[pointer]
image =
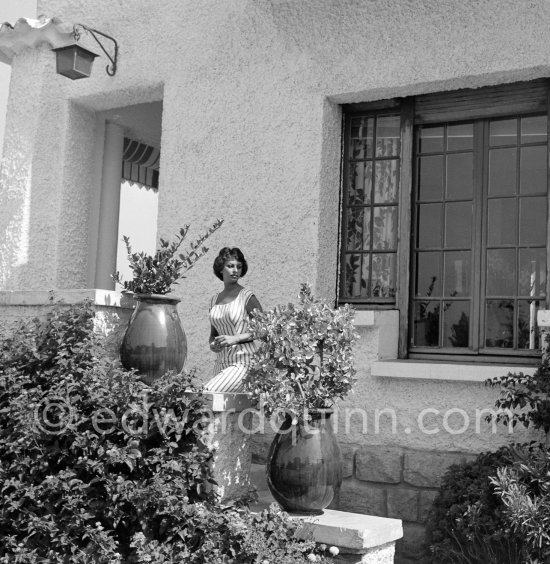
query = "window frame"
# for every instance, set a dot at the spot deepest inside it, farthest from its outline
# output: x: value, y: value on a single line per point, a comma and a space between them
x: 517, y: 100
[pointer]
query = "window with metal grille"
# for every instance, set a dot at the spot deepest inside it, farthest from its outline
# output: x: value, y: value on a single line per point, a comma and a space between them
x: 369, y: 250
x: 445, y: 200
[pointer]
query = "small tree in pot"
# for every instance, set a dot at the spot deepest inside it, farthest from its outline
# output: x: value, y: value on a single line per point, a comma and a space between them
x: 157, y: 273
x: 304, y: 363
x: 155, y: 342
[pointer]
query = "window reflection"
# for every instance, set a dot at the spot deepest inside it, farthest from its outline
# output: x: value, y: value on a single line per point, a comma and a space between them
x: 499, y: 324
x: 533, y: 170
x: 534, y: 129
x: 503, y: 132
x: 460, y: 137
x: 460, y: 176
x: 361, y: 137
x: 456, y: 324
x: 431, y: 139
x: 388, y: 136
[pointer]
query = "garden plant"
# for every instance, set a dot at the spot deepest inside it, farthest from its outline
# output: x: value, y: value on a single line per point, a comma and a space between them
x: 304, y: 360
x: 96, y: 467
x: 157, y: 273
x: 496, y: 509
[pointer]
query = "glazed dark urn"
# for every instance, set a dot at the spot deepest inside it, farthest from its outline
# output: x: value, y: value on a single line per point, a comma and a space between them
x: 304, y: 468
x: 154, y: 342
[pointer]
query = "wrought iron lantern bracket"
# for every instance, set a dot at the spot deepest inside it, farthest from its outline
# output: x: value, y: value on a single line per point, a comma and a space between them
x: 110, y: 69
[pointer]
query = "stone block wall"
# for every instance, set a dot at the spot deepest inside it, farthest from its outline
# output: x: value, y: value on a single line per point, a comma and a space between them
x: 395, y: 482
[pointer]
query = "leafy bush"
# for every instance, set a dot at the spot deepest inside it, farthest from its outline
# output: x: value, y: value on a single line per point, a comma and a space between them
x: 232, y: 534
x: 305, y: 358
x: 96, y: 467
x: 157, y: 273
x: 525, y: 398
x: 467, y: 522
x: 524, y: 489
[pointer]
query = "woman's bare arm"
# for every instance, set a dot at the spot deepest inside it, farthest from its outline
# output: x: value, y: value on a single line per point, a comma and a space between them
x: 228, y: 340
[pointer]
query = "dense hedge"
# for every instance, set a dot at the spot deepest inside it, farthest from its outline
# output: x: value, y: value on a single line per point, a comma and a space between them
x: 97, y: 467
x: 467, y: 522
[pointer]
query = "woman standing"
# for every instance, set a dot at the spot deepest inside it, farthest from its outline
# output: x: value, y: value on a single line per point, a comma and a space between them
x: 229, y: 313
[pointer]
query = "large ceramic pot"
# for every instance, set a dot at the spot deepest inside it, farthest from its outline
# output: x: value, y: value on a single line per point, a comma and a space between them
x: 154, y: 341
x: 304, y: 468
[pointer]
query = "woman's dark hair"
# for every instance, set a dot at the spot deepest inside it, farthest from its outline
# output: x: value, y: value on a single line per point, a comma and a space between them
x: 228, y: 253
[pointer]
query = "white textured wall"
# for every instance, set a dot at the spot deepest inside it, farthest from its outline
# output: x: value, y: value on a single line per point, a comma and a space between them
x: 251, y: 133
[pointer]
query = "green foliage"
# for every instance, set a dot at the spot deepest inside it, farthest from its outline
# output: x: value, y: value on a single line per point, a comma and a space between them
x: 467, y: 523
x: 84, y: 463
x: 524, y: 489
x: 525, y: 399
x: 156, y: 274
x: 232, y: 534
x: 96, y: 467
x: 305, y: 358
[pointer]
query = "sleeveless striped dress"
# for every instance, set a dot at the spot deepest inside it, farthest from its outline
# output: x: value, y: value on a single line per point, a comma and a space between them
x: 232, y: 363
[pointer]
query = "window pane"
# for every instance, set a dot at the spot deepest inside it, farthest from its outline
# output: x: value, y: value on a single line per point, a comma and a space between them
x: 528, y: 334
x: 499, y: 324
x: 385, y: 181
x: 533, y: 170
x: 460, y: 137
x: 384, y: 231
x: 460, y: 176
x: 532, y: 221
x: 388, y: 136
x: 503, y: 132
x: 456, y: 324
x: 429, y: 226
x: 431, y: 139
x: 371, y: 212
x: 458, y: 273
x: 428, y: 274
x: 502, y: 222
x: 383, y: 275
x: 458, y: 224
x: 358, y: 231
x: 430, y: 185
x: 426, y: 324
x: 352, y: 276
x: 532, y: 272
x: 361, y: 137
x: 502, y: 172
x: 533, y: 129
x: 501, y: 272
x: 360, y: 183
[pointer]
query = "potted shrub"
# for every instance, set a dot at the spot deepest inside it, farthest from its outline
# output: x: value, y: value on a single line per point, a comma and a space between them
x: 154, y: 341
x: 303, y: 364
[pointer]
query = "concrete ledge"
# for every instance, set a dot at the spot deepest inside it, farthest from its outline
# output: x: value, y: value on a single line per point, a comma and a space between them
x: 448, y: 371
x: 543, y: 317
x: 352, y: 531
x: 360, y: 538
x: 227, y: 401
x: 47, y: 297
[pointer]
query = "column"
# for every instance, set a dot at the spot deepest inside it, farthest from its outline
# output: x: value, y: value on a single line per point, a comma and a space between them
x: 109, y: 206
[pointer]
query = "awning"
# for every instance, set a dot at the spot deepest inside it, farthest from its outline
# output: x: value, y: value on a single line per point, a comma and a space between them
x: 27, y: 33
x: 140, y: 164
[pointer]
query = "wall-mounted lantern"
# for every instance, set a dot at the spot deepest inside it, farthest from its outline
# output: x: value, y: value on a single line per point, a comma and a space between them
x: 73, y: 61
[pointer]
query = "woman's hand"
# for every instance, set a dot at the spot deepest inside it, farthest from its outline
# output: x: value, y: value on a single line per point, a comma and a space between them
x: 224, y: 341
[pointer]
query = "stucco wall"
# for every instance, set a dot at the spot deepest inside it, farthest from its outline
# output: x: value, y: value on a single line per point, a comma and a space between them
x: 251, y: 132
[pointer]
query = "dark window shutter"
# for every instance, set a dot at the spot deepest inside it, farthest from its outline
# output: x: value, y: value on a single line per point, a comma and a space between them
x: 494, y: 101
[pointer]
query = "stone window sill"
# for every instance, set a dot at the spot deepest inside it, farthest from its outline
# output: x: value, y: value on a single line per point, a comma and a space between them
x: 447, y: 371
